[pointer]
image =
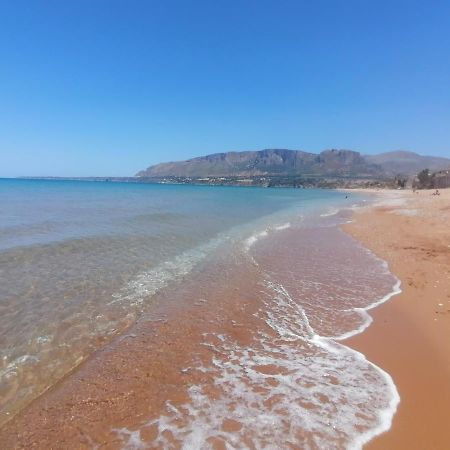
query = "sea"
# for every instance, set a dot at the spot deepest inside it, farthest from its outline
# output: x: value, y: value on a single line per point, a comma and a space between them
x: 83, y: 263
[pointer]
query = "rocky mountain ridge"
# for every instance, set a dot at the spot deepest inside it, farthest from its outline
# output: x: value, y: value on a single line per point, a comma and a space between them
x: 284, y: 162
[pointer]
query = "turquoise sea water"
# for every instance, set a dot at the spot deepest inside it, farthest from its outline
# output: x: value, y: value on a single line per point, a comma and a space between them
x: 79, y: 261
x: 42, y: 212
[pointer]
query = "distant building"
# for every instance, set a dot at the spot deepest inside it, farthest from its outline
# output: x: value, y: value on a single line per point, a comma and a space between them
x: 441, y: 179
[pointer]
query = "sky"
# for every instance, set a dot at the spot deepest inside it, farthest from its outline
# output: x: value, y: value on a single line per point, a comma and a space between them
x: 107, y: 87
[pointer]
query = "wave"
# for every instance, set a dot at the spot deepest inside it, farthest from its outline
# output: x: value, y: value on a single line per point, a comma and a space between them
x: 330, y: 212
x: 146, y: 284
x: 250, y: 241
x: 290, y: 387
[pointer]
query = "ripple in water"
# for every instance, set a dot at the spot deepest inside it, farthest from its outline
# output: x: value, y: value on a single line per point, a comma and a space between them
x: 291, y: 387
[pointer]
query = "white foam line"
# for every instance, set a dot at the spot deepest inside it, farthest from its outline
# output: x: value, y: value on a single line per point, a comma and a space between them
x: 146, y: 284
x: 386, y: 415
x: 301, y: 329
x: 204, y: 417
x: 284, y: 226
x: 330, y: 212
x: 363, y: 312
x: 254, y: 238
x: 261, y: 234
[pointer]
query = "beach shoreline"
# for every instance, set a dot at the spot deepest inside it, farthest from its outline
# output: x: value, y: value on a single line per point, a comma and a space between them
x: 116, y: 385
x: 409, y: 333
x: 202, y: 333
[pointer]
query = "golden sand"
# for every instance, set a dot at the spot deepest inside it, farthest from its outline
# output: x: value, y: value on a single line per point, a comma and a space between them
x: 410, y: 336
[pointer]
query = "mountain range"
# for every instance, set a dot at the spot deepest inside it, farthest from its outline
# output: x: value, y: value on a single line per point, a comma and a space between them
x: 283, y: 162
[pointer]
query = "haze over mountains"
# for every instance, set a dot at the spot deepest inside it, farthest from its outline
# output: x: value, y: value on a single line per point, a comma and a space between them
x: 283, y: 162
x: 407, y: 163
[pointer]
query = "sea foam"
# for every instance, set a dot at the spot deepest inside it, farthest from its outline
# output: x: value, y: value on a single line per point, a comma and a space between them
x: 250, y: 241
x: 318, y: 393
x: 291, y: 387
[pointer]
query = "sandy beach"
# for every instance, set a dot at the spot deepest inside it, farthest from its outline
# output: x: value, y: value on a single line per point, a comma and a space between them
x: 221, y: 226
x: 119, y: 393
x: 410, y: 334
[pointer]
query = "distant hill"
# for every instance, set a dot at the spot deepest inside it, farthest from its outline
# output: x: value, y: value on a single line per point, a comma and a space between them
x: 282, y: 162
x: 408, y: 163
x: 268, y: 162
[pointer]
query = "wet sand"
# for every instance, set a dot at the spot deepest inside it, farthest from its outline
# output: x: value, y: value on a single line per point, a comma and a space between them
x: 128, y: 382
x: 122, y: 388
x: 259, y: 379
x: 410, y: 335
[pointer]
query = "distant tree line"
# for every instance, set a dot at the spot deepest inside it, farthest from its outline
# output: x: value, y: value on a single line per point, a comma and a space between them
x: 426, y: 179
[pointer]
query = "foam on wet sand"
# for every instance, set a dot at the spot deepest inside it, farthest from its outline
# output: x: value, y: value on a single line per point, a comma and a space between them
x: 409, y: 335
x: 252, y: 359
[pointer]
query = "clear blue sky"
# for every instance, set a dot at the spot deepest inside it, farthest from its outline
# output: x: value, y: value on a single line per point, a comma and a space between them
x: 109, y: 87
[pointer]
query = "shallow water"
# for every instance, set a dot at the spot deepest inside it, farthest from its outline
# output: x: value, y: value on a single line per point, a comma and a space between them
x: 81, y: 261
x: 269, y: 287
x: 291, y: 384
